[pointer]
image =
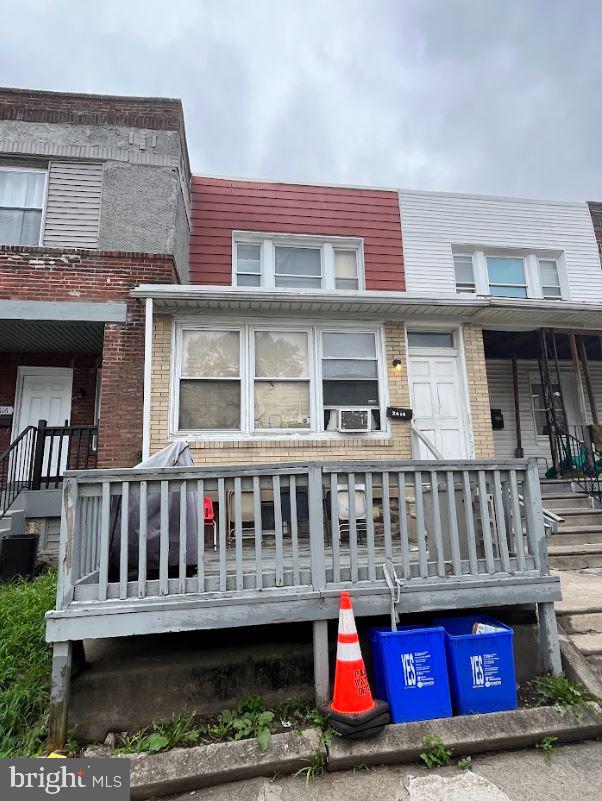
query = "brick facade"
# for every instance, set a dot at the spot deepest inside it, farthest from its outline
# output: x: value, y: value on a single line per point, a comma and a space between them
x: 80, y: 275
x: 478, y: 392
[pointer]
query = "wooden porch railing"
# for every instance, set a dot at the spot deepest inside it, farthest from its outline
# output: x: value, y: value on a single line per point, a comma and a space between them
x: 140, y: 534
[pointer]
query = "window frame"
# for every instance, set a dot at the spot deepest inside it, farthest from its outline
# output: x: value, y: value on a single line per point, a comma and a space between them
x: 508, y: 284
x: 267, y: 258
x: 560, y: 296
x: 467, y: 255
x: 43, y: 171
x: 247, y: 329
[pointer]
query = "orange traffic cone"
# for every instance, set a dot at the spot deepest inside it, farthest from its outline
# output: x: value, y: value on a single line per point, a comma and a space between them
x: 352, y: 695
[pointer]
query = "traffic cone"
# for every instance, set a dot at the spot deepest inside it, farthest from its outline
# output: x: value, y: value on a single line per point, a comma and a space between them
x: 352, y: 694
x: 353, y: 711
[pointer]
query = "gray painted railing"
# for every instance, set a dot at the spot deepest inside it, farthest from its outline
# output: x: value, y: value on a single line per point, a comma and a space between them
x: 148, y: 534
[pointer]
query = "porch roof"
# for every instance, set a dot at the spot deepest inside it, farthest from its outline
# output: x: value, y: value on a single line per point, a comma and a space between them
x: 519, y: 313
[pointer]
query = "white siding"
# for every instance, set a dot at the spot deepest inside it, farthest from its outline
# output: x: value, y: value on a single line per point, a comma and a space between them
x: 433, y: 222
x: 501, y: 396
x: 73, y: 204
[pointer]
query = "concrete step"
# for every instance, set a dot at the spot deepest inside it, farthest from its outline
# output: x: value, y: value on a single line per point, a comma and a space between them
x: 575, y: 557
x: 576, y: 538
x: 13, y: 522
x: 587, y: 623
x: 589, y: 644
x: 573, y: 500
x: 555, y: 485
x: 580, y: 517
x: 595, y: 661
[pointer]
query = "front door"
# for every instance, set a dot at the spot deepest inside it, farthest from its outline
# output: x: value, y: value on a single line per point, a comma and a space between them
x: 44, y: 393
x: 439, y: 411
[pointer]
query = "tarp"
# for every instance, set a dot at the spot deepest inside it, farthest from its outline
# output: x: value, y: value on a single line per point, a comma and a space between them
x: 175, y: 455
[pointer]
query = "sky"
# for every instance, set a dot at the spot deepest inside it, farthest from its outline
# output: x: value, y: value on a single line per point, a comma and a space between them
x: 489, y: 96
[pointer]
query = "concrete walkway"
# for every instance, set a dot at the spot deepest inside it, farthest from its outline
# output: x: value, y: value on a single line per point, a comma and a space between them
x: 574, y: 774
x: 580, y: 613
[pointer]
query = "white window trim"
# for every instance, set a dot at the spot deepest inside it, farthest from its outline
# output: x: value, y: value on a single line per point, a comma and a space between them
x: 247, y: 327
x: 327, y: 246
x: 530, y: 259
x: 41, y: 171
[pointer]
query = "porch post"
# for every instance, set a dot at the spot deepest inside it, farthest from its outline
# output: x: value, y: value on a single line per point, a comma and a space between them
x: 148, y: 374
x: 60, y: 688
x: 577, y: 371
x: 321, y: 662
x: 588, y: 382
x: 548, y: 637
x: 318, y: 578
x: 519, y: 453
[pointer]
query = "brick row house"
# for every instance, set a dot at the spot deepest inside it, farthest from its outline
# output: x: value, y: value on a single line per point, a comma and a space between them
x: 94, y: 199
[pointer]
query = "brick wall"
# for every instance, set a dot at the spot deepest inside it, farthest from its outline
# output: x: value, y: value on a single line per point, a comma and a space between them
x: 79, y: 275
x: 157, y: 113
x: 397, y: 447
x: 478, y: 392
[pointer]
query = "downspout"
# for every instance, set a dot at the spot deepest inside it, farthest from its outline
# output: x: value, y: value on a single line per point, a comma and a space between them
x: 148, y: 374
x: 519, y: 453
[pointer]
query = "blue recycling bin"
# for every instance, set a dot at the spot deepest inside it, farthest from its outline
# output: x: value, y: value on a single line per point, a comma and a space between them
x: 410, y: 672
x: 481, y: 666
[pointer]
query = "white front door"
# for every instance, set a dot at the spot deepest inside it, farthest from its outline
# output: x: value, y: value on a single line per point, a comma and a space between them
x: 44, y: 393
x: 439, y: 409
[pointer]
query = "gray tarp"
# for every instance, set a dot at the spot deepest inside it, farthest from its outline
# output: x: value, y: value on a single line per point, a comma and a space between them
x: 175, y: 455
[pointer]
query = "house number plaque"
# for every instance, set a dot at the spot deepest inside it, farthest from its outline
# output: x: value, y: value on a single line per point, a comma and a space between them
x: 398, y: 413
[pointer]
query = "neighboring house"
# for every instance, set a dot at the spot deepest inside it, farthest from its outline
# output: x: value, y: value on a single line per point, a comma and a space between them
x: 94, y: 199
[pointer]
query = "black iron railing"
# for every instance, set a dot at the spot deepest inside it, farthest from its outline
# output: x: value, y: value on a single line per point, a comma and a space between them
x: 38, y: 457
x: 580, y: 462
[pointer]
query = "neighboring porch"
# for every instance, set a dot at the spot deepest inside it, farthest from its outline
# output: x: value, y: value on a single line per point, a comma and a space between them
x: 184, y: 549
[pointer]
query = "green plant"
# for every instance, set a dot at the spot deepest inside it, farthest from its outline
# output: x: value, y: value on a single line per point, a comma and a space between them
x: 564, y: 694
x: 25, y: 661
x: 465, y: 763
x: 249, y: 719
x: 301, y: 714
x: 434, y: 753
x: 314, y: 768
x: 165, y: 734
x: 547, y: 745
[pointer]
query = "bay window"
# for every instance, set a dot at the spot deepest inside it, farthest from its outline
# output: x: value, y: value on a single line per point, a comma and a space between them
x: 22, y: 193
x: 277, y: 380
x: 295, y: 261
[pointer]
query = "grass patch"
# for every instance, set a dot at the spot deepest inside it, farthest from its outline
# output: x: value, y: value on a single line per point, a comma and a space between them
x: 25, y: 661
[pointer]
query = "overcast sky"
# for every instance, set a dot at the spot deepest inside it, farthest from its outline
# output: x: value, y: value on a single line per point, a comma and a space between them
x: 492, y: 96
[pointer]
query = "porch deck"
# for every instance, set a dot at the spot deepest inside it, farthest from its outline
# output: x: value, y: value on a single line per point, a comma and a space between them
x: 142, y: 553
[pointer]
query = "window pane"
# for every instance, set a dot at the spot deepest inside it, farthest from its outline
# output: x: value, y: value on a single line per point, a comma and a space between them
x: 509, y: 291
x: 30, y: 231
x: 551, y: 292
x: 350, y: 393
x: 282, y: 404
x: 21, y: 189
x: 341, y: 345
x: 209, y: 405
x: 345, y: 264
x: 505, y: 270
x: 541, y: 424
x: 248, y: 258
x: 302, y: 282
x: 346, y: 283
x: 349, y: 368
x: 248, y: 280
x: 298, y: 261
x: 281, y: 354
x: 430, y: 339
x: 549, y: 272
x: 463, y: 269
x: 210, y: 354
x: 11, y: 223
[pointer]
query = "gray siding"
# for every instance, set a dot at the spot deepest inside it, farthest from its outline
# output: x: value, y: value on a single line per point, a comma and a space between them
x: 73, y: 205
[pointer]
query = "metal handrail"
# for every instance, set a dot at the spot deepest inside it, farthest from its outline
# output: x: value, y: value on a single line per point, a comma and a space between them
x: 16, y: 467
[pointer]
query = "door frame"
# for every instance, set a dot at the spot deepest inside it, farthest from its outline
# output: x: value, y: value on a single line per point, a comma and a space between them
x: 457, y: 352
x: 22, y: 373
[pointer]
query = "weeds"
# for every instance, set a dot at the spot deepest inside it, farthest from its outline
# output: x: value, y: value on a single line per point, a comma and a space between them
x: 314, y: 769
x: 178, y: 730
x: 564, y: 695
x: 25, y: 662
x: 435, y: 754
x: 465, y: 763
x: 547, y: 745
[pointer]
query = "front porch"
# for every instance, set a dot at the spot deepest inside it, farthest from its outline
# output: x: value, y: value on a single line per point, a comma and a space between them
x: 184, y: 549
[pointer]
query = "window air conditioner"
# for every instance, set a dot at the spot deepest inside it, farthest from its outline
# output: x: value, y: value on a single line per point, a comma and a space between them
x: 354, y: 420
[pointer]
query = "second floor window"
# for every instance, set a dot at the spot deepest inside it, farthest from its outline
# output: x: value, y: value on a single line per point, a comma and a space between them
x: 22, y: 194
x: 550, y: 281
x: 279, y: 261
x: 507, y: 277
x: 464, y: 271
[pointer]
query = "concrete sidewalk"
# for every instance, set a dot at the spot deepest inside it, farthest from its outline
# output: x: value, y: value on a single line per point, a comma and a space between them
x: 574, y: 774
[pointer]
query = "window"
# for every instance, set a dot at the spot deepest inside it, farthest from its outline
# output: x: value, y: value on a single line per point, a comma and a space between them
x: 259, y: 380
x: 464, y: 273
x: 539, y: 407
x: 22, y: 194
x: 287, y: 261
x: 506, y: 277
x: 550, y: 282
x: 430, y: 339
x: 281, y: 380
x: 210, y: 380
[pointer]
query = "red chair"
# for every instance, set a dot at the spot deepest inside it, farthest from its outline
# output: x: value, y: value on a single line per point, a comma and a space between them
x: 209, y: 515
